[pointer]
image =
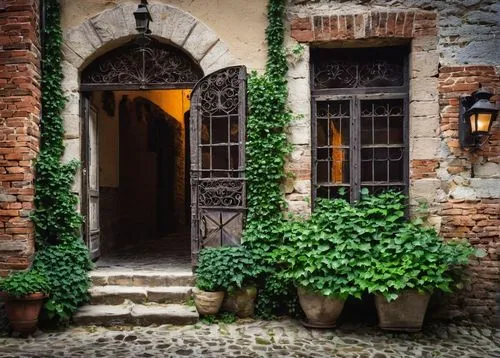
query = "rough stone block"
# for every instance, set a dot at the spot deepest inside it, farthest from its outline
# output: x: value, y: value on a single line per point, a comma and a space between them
x: 300, y: 135
x: 70, y: 77
x: 486, y: 170
x: 424, y: 126
x: 184, y: 23
x: 76, y: 39
x: 72, y: 150
x: 212, y: 56
x: 302, y: 186
x: 462, y: 192
x: 423, y: 109
x: 71, y: 125
x: 424, y: 148
x: 486, y: 188
x: 172, y: 294
x: 111, y: 24
x: 199, y: 41
x: 103, y: 315
x: 424, y: 89
x: 424, y: 64
x: 298, y: 207
x: 424, y: 189
x: 163, y: 314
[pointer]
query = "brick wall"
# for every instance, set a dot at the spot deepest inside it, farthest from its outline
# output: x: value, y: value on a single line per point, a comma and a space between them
x: 19, y: 131
x: 470, y: 181
x: 373, y: 24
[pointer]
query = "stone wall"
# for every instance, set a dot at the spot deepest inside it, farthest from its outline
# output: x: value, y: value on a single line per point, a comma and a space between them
x: 467, y: 202
x: 19, y: 132
x: 453, y: 50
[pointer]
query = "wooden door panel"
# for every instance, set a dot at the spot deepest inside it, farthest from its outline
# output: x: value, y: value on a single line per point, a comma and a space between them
x: 90, y: 171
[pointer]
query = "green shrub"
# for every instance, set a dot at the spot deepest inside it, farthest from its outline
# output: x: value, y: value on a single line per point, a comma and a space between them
x: 24, y: 283
x: 61, y: 254
x: 326, y: 253
x: 415, y: 258
x: 226, y: 269
x: 65, y: 266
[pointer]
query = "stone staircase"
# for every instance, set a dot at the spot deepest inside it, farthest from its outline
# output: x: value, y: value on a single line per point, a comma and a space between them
x: 138, y: 297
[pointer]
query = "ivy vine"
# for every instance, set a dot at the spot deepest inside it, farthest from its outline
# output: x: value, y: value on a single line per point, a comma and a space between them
x: 61, y: 253
x: 266, y: 152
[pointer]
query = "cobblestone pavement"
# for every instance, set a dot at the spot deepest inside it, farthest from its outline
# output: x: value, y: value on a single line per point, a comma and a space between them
x: 281, y: 338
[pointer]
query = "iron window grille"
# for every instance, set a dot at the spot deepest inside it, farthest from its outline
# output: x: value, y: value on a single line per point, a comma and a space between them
x: 359, y: 121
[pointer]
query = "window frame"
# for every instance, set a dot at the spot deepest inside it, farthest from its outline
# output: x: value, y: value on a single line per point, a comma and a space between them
x: 355, y: 96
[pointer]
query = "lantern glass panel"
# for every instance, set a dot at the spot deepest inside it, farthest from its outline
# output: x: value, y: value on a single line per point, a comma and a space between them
x: 480, y: 122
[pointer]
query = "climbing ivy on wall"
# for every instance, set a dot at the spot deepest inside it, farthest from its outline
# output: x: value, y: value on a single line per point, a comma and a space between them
x: 266, y: 152
x: 267, y: 145
x: 61, y: 253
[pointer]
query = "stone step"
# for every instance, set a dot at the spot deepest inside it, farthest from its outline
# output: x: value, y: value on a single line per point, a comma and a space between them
x: 135, y: 314
x: 116, y: 295
x: 141, y: 278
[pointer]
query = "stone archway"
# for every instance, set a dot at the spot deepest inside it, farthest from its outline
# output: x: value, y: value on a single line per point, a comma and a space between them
x: 112, y: 28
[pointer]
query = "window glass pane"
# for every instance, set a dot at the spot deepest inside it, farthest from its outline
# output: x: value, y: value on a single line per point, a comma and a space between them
x: 234, y: 161
x: 219, y: 130
x: 322, y: 130
x: 396, y: 165
x: 366, y: 130
x: 235, y: 130
x: 396, y: 130
x: 219, y: 158
x: 205, y: 158
x: 205, y: 130
x: 323, y: 171
x: 333, y: 192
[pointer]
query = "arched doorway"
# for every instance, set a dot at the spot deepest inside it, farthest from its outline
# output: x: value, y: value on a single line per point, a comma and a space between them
x: 143, y: 167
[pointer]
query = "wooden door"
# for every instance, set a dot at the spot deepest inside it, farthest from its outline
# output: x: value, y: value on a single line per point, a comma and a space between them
x: 90, y: 177
x: 217, y: 137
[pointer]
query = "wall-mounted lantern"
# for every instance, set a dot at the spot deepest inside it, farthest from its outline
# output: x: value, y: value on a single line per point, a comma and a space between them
x: 142, y: 18
x: 475, y: 118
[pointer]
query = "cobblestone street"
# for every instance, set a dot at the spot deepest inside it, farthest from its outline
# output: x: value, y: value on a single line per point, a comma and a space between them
x: 281, y: 338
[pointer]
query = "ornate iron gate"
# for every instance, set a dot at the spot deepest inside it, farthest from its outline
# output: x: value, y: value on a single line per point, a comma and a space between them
x: 217, y: 133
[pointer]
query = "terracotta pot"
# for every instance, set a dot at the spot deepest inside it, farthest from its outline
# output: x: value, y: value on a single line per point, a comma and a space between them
x: 22, y: 312
x: 207, y: 302
x: 321, y: 311
x: 405, y: 313
x: 241, y: 302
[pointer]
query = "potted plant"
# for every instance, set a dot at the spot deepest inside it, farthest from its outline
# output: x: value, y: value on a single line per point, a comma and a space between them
x: 23, y: 293
x: 242, y: 271
x: 208, y: 292
x: 407, y: 268
x: 323, y: 255
x: 408, y: 262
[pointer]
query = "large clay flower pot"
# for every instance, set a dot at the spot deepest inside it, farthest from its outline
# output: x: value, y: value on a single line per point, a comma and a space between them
x: 321, y: 311
x: 207, y: 302
x: 405, y: 313
x: 241, y: 302
x: 22, y: 312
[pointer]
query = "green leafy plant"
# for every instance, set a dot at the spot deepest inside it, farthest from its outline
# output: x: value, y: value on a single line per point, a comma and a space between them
x: 226, y: 269
x: 415, y: 258
x: 65, y: 266
x: 266, y: 152
x: 61, y: 254
x: 24, y: 283
x: 327, y: 252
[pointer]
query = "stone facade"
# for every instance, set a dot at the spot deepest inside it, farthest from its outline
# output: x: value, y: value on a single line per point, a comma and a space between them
x: 19, y: 132
x: 452, y: 52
